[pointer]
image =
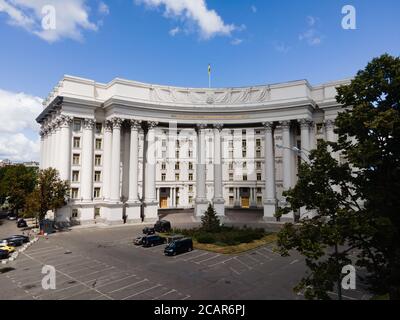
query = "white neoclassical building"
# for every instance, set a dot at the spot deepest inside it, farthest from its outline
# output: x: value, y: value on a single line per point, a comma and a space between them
x: 132, y: 149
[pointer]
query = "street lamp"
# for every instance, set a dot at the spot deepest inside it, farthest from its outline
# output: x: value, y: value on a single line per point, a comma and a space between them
x: 297, y: 150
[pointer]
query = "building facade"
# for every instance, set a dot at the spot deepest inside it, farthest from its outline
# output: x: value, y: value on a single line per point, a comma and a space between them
x: 131, y: 149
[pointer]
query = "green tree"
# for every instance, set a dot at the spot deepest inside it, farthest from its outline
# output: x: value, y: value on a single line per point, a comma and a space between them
x: 16, y: 183
x: 210, y: 221
x: 51, y: 193
x: 357, y: 204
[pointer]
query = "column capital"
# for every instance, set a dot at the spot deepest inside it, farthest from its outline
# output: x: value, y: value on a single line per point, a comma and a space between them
x: 42, y: 133
x: 108, y: 125
x: 151, y: 124
x: 285, y: 125
x: 135, y: 124
x: 116, y: 122
x: 218, y: 126
x: 305, y: 123
x: 269, y: 126
x: 329, y: 124
x: 201, y: 126
x: 88, y: 124
x: 65, y: 121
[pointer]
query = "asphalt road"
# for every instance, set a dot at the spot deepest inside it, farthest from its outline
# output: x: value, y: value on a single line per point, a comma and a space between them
x: 104, y: 264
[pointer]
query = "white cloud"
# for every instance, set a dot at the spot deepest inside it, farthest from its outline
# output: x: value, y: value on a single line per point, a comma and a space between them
x: 281, y: 47
x: 253, y: 9
x: 208, y: 22
x: 236, y: 42
x: 71, y: 17
x: 312, y: 35
x: 103, y: 8
x: 19, y: 131
x: 173, y: 32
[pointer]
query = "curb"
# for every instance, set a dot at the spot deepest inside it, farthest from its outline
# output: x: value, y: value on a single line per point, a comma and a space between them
x: 16, y: 253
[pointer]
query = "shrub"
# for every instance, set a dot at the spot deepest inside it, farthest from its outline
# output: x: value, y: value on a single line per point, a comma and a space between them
x: 206, y: 238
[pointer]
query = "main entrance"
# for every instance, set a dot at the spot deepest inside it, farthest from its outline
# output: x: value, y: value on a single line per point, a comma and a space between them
x: 245, y: 202
x: 163, y: 202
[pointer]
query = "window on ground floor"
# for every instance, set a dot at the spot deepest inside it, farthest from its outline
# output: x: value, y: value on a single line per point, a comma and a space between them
x: 74, y: 213
x: 190, y: 200
x: 259, y: 201
x: 231, y: 201
x: 96, y: 212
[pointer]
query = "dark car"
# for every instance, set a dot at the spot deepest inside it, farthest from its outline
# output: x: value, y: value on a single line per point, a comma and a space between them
x: 179, y: 246
x: 162, y: 226
x: 4, y: 254
x: 22, y: 223
x: 24, y: 239
x: 151, y: 241
x: 149, y: 231
x: 13, y: 242
x: 138, y: 241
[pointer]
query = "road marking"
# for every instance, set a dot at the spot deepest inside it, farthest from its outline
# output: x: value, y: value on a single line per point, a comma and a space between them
x: 294, y: 261
x: 185, y: 298
x: 233, y: 270
x: 199, y: 262
x: 114, y: 281
x: 58, y: 290
x: 130, y: 285
x: 252, y: 258
x: 201, y: 255
x: 89, y: 274
x: 221, y: 262
x: 265, y: 256
x: 165, y: 294
x: 185, y: 254
x: 143, y: 291
x: 237, y: 259
x: 72, y: 278
x: 44, y: 249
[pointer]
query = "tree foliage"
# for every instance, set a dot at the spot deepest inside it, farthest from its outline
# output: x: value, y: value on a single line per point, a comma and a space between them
x: 210, y: 221
x: 356, y: 203
x: 51, y: 193
x: 16, y: 183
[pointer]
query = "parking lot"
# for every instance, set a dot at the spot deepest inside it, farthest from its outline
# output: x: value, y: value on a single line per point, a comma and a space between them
x: 104, y: 264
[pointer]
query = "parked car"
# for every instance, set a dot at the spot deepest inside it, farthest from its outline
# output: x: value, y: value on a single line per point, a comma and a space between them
x: 14, y: 242
x: 4, y: 254
x: 22, y: 223
x: 24, y: 239
x: 162, y: 226
x: 138, y: 241
x: 12, y: 216
x: 179, y: 246
x: 7, y: 248
x: 149, y: 231
x: 151, y: 241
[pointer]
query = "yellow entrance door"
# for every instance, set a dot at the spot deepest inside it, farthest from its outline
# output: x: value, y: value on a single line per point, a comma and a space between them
x: 164, y: 202
x: 245, y: 202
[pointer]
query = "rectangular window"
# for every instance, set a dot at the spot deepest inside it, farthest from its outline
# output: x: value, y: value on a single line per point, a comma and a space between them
x: 96, y: 193
x: 244, y: 144
x: 164, y: 143
x: 190, y: 199
x: 163, y: 177
x: 258, y: 176
x: 231, y: 201
x: 190, y: 153
x: 97, y: 176
x: 177, y: 154
x: 77, y: 142
x: 99, y: 128
x: 231, y: 177
x: 245, y: 177
x: 98, y: 144
x: 230, y: 165
x: 258, y: 143
x: 244, y: 132
x: 96, y: 212
x: 258, y: 165
x: 190, y: 176
x: 244, y: 154
x: 74, y: 213
x: 190, y: 165
x: 177, y: 165
x: 76, y: 159
x: 258, y: 154
x: 259, y: 190
x: 258, y: 131
x: 177, y: 200
x: 231, y: 190
x: 244, y: 165
x: 163, y: 166
x: 77, y: 125
x: 75, y: 176
x: 190, y: 188
x: 259, y: 201
x: 97, y: 160
x: 74, y: 193
x: 177, y: 177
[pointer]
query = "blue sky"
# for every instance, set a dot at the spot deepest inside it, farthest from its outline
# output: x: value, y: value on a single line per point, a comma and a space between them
x: 171, y: 42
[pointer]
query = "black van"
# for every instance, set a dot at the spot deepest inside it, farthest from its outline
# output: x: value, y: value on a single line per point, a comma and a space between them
x: 179, y: 246
x: 151, y: 241
x: 162, y: 226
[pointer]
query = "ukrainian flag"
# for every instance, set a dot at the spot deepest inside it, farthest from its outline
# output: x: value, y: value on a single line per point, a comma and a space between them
x: 209, y: 69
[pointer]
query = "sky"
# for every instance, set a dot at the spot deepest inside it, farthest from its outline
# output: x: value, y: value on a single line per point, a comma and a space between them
x: 171, y: 42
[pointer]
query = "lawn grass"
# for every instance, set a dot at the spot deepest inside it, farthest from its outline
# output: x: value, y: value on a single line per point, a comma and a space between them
x: 236, y: 249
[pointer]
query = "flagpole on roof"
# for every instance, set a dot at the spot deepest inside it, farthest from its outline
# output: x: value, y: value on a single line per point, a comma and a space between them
x: 209, y: 76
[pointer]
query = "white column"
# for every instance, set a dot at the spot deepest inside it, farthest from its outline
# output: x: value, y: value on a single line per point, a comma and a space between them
x: 201, y: 197
x: 57, y: 147
x: 134, y: 161
x: 42, y: 149
x: 65, y: 148
x: 51, y: 145
x: 305, y: 139
x: 115, y: 193
x: 107, y: 159
x: 218, y: 200
x: 331, y: 136
x: 133, y: 209
x: 150, y: 199
x: 287, y: 153
x: 270, y: 184
x: 87, y: 160
x: 47, y: 147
